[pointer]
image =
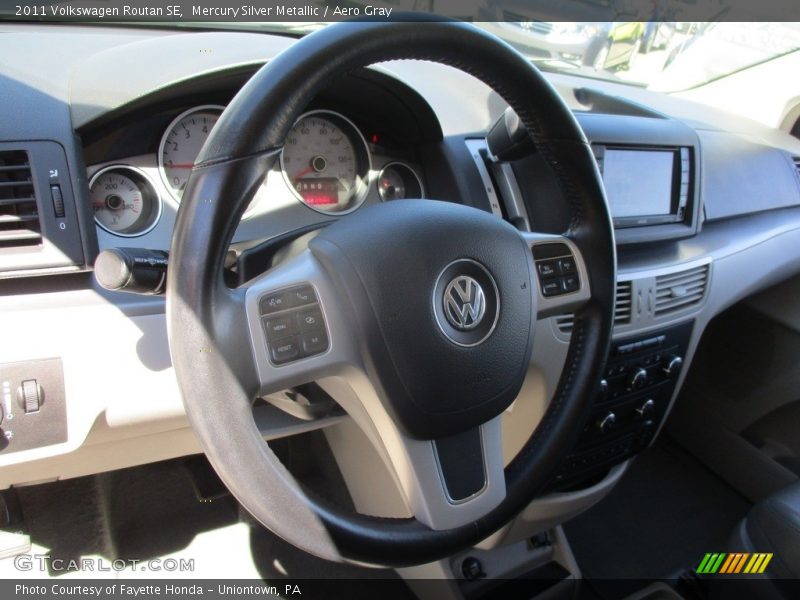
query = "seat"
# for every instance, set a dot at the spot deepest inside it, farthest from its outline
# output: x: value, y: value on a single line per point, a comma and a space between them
x: 773, y: 525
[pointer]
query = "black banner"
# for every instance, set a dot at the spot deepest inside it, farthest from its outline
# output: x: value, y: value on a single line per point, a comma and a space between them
x: 387, y: 589
x: 324, y: 11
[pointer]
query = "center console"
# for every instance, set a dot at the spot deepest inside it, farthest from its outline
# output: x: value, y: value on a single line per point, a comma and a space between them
x: 640, y: 379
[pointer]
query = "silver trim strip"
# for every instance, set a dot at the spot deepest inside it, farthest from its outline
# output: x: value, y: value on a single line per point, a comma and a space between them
x: 474, y: 146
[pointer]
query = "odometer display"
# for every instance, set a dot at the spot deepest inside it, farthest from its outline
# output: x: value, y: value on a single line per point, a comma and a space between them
x: 325, y: 161
x: 319, y: 192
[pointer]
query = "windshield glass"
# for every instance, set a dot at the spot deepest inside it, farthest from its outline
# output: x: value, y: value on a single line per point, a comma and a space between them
x: 667, y: 56
x: 661, y: 55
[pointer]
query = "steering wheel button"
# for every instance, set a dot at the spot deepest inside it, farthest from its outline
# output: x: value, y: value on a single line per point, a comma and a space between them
x: 285, y: 350
x: 275, y: 302
x: 566, y: 265
x: 551, y: 288
x: 546, y: 268
x: 310, y: 319
x: 570, y: 283
x: 315, y: 342
x: 303, y: 295
x: 280, y: 327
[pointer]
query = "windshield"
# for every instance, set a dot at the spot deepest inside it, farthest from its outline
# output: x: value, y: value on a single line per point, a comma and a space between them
x: 661, y: 55
x: 667, y: 56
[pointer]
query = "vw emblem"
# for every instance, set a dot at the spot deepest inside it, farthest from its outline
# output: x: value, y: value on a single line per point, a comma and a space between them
x: 464, y: 303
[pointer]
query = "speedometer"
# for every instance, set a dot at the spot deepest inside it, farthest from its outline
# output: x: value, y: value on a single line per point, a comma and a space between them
x: 326, y: 162
x: 181, y: 144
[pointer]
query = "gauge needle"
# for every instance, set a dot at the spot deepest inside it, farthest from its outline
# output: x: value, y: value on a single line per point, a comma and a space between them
x: 305, y: 171
x: 180, y: 166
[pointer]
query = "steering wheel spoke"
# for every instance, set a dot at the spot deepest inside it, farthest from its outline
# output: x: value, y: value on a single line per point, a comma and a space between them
x: 562, y: 278
x: 297, y: 326
x: 447, y: 482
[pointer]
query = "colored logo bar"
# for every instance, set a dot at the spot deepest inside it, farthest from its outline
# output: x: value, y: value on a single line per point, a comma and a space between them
x: 734, y: 563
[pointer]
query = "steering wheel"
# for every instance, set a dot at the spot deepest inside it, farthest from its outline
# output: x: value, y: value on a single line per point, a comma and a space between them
x: 421, y: 313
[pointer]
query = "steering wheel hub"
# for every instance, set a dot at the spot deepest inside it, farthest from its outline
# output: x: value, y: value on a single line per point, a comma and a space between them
x: 447, y: 364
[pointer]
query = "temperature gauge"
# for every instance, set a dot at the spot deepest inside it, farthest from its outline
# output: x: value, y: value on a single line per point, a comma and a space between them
x: 124, y: 201
x: 398, y: 181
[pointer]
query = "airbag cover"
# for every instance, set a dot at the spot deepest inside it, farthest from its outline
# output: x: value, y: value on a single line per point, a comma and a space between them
x: 387, y: 260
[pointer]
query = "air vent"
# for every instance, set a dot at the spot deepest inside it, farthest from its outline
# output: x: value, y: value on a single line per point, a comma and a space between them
x: 678, y: 291
x: 796, y: 161
x: 622, y: 312
x: 19, y: 217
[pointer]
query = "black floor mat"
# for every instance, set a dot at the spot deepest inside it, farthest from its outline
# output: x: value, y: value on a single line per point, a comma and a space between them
x: 136, y: 513
x: 665, y: 514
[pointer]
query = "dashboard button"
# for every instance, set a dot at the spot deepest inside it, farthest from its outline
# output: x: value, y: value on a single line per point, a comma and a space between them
x: 285, y: 350
x: 570, y: 283
x: 274, y: 302
x: 303, y: 295
x: 280, y: 327
x: 566, y: 265
x: 310, y: 319
x: 315, y: 342
x: 547, y: 268
x: 551, y: 288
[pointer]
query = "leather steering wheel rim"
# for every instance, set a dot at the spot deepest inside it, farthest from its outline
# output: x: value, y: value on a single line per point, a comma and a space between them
x: 212, y: 363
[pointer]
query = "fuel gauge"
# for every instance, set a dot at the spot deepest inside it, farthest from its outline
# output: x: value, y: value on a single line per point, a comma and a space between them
x: 398, y: 181
x: 124, y: 201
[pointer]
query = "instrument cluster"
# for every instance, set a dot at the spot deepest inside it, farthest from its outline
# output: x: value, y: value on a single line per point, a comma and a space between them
x: 326, y: 164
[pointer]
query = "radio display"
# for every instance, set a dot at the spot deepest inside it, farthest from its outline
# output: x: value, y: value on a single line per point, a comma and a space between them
x: 638, y: 182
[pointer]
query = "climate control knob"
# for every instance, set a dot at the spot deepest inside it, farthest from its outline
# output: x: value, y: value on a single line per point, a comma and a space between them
x: 607, y: 422
x: 638, y: 378
x: 673, y: 366
x: 646, y: 409
x: 603, y: 389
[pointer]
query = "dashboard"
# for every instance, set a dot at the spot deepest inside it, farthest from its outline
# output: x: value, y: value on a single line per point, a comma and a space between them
x: 337, y: 157
x: 105, y: 166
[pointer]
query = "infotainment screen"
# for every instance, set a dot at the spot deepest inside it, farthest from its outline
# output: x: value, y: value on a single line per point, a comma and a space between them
x: 638, y: 182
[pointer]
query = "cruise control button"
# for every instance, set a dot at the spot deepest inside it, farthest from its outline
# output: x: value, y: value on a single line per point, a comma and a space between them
x: 315, y: 342
x: 274, y: 302
x: 309, y: 319
x: 280, y: 327
x: 566, y: 265
x: 547, y: 268
x: 551, y: 288
x: 303, y: 295
x: 285, y: 350
x: 570, y: 283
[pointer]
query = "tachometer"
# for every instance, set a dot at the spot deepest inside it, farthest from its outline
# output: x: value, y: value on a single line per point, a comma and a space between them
x: 181, y: 144
x: 124, y: 201
x: 326, y: 162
